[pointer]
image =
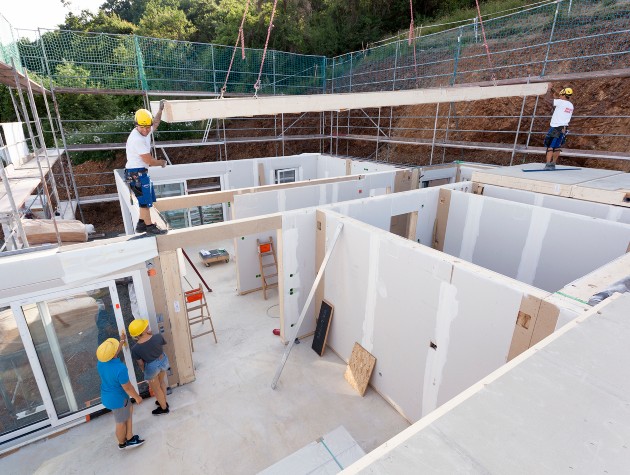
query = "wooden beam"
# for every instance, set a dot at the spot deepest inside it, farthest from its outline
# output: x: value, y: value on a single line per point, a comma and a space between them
x: 182, y: 238
x: 185, y: 111
x: 175, y: 311
x: 216, y: 197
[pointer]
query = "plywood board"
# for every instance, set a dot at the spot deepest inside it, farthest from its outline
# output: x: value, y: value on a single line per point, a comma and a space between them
x: 191, y: 110
x: 613, y: 189
x: 359, y: 369
x: 524, y: 326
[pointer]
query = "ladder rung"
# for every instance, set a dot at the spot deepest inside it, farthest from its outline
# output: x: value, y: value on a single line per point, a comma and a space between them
x: 190, y: 309
x: 271, y: 275
x: 270, y: 265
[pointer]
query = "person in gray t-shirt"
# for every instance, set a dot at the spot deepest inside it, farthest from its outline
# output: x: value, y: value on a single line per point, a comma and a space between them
x: 149, y: 353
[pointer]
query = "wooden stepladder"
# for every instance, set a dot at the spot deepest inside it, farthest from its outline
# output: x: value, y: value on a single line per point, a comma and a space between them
x: 197, y: 311
x: 268, y: 264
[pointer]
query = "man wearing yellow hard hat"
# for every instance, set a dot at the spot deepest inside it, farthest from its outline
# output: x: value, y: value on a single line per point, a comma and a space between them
x: 116, y: 391
x: 149, y: 354
x: 139, y: 158
x: 557, y: 135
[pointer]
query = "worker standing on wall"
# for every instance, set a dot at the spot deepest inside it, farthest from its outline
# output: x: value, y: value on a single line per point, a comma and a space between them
x: 116, y: 390
x: 139, y: 158
x: 557, y: 135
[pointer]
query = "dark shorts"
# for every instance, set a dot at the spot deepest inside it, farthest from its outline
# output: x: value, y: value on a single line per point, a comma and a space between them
x: 141, y: 185
x: 556, y: 138
x: 121, y: 415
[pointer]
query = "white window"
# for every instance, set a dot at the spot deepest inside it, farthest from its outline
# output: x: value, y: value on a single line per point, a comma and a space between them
x: 286, y: 175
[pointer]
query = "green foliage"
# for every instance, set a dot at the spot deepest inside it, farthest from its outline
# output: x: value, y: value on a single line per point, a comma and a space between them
x: 163, y: 19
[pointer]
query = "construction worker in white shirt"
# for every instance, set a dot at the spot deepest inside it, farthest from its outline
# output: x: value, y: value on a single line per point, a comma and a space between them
x: 139, y: 158
x: 557, y: 135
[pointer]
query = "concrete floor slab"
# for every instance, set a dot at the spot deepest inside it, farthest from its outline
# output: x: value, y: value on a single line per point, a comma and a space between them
x: 228, y: 421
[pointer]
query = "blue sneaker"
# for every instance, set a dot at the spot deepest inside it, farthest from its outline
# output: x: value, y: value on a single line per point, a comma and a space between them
x: 135, y: 441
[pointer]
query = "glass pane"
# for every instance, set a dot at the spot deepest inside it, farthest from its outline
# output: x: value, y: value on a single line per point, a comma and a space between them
x: 66, y: 333
x: 129, y: 308
x: 20, y: 401
x: 168, y: 189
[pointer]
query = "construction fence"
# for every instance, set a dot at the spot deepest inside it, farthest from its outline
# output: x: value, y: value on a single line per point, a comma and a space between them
x: 565, y: 36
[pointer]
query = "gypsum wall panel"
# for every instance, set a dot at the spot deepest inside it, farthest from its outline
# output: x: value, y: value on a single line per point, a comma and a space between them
x: 376, y: 211
x: 261, y: 203
x: 585, y: 208
x: 435, y: 325
x: 537, y: 246
x: 359, y: 166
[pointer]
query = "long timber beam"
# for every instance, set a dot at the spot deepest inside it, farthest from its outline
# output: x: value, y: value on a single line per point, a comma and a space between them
x: 201, y: 109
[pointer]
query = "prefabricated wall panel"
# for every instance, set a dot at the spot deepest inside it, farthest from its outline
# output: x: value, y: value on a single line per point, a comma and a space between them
x: 435, y: 324
x: 570, y: 205
x: 299, y: 226
x: 591, y: 184
x: 538, y: 246
x: 267, y: 202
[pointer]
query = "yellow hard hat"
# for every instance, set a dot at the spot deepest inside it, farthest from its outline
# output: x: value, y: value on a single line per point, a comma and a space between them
x: 143, y: 117
x: 138, y: 326
x: 567, y: 91
x: 107, y: 350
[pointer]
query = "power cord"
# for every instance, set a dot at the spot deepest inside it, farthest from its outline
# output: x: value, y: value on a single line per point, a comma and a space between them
x: 269, y: 308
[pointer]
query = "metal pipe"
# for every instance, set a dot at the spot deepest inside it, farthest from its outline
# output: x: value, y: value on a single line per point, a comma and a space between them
x: 518, y: 129
x: 553, y: 27
x: 437, y: 110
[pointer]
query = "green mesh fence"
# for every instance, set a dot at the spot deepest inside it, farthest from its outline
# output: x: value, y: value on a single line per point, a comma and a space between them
x: 557, y: 37
x: 9, y: 53
x: 563, y: 37
x: 106, y: 61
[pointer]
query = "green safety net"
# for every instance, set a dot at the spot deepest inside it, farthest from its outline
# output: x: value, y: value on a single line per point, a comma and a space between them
x: 567, y: 36
x: 9, y: 53
x: 555, y: 38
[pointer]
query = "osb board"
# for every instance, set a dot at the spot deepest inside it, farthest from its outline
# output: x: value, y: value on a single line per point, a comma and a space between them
x: 359, y: 368
x: 546, y: 321
x: 524, y: 326
x: 598, y: 280
x: 441, y: 220
x: 403, y: 181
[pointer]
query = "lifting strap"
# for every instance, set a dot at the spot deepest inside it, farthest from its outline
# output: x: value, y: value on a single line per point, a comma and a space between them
x: 241, y: 38
x: 257, y: 83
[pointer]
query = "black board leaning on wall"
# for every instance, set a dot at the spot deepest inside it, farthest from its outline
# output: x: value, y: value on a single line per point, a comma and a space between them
x: 321, y: 328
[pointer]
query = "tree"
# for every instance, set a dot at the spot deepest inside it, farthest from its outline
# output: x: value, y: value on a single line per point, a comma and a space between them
x: 162, y: 19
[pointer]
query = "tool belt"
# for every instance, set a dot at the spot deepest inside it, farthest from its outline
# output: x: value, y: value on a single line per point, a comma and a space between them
x: 133, y: 178
x: 557, y: 132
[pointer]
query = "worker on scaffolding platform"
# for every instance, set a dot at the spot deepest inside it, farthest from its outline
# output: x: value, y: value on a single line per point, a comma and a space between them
x: 138, y: 159
x: 557, y: 135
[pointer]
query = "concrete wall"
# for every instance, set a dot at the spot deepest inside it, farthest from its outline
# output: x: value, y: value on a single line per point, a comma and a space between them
x: 539, y: 246
x: 397, y: 298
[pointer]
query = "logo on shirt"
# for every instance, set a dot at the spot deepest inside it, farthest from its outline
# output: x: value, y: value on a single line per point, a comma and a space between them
x: 568, y: 110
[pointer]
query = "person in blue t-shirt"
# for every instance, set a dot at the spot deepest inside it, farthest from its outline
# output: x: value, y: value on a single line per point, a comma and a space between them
x: 116, y: 390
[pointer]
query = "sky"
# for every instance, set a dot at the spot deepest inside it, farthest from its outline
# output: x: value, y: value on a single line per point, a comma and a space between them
x: 31, y: 14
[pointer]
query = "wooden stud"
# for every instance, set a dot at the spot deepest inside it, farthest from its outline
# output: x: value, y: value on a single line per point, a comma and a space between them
x: 524, y: 327
x: 441, y: 220
x: 261, y: 175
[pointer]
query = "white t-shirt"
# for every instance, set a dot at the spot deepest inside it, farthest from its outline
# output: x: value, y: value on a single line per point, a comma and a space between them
x: 137, y: 145
x: 562, y: 113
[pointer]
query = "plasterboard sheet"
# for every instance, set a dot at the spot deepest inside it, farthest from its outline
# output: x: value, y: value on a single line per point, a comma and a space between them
x: 479, y: 337
x: 328, y: 455
x: 358, y: 166
x: 397, y: 298
x: 298, y: 259
x: 618, y: 182
x: 569, y: 177
x: 329, y: 166
x: 560, y: 203
x: 566, y: 398
x: 537, y: 246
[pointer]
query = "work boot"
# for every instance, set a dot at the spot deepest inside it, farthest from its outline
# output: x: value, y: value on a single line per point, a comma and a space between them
x: 159, y: 411
x: 550, y: 166
x: 153, y: 229
x: 141, y: 226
